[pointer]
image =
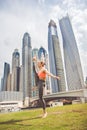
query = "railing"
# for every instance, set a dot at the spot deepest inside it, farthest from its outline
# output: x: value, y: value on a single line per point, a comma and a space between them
x: 73, y: 93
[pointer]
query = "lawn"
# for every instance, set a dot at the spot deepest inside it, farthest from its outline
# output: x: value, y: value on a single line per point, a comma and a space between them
x: 69, y: 117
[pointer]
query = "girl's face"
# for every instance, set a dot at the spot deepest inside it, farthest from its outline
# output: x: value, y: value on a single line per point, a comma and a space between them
x: 39, y: 64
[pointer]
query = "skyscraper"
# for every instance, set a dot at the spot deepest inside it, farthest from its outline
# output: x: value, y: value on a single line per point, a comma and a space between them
x: 34, y: 77
x: 21, y: 79
x: 55, y: 58
x: 71, y: 55
x: 27, y: 67
x: 9, y: 82
x: 5, y: 77
x: 86, y: 82
x: 15, y: 59
x: 42, y: 53
x: 43, y: 56
x: 2, y: 80
x: 34, y: 53
x: 15, y: 71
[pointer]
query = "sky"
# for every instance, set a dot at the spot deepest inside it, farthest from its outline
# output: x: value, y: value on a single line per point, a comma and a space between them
x: 33, y: 16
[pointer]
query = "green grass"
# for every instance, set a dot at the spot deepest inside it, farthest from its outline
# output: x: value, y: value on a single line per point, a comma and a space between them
x: 69, y: 117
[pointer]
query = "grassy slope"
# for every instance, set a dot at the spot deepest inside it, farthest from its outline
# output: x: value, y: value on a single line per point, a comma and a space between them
x: 70, y: 117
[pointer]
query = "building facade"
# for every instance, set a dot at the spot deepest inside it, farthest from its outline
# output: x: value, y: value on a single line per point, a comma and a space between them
x: 34, y: 53
x: 55, y: 58
x: 15, y: 59
x: 5, y: 77
x: 73, y: 68
x: 34, y: 77
x: 9, y: 82
x: 21, y: 79
x: 43, y: 56
x: 15, y: 71
x: 86, y: 82
x: 27, y: 67
x: 2, y: 84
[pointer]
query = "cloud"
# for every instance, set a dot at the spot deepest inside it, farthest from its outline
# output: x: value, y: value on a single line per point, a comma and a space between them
x: 14, y: 22
x: 33, y: 16
x: 41, y: 1
x: 77, y: 11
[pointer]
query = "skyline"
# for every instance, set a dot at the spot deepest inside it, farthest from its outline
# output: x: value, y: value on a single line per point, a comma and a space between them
x: 16, y: 20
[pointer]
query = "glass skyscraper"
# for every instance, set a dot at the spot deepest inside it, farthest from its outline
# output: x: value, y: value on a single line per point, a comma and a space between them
x: 9, y: 82
x: 42, y: 53
x: 1, y: 89
x: 73, y: 68
x: 5, y: 77
x: 86, y: 82
x: 43, y: 56
x: 55, y: 58
x: 15, y: 59
x: 15, y: 71
x: 27, y: 66
x: 34, y: 76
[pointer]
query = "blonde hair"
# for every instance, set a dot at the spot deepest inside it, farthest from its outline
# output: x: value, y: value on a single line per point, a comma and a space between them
x: 42, y: 62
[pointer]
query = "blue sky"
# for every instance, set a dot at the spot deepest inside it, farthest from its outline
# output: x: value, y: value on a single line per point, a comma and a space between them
x: 33, y: 16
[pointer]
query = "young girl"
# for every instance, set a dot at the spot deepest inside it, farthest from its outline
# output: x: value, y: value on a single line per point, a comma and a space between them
x: 42, y: 72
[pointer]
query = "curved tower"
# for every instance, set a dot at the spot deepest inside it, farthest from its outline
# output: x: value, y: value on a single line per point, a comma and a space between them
x: 73, y: 68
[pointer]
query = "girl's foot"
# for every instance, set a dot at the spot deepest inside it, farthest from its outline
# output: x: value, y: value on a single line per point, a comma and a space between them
x: 45, y: 115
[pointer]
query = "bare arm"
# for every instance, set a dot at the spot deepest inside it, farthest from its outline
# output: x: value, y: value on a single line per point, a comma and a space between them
x: 51, y: 75
x: 35, y: 63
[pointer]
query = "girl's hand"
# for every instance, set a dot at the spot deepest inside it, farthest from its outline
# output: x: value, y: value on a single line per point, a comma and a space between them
x: 34, y: 58
x: 58, y: 77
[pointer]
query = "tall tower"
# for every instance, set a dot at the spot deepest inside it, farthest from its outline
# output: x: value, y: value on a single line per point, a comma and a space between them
x: 2, y: 80
x: 86, y: 82
x: 43, y: 56
x: 34, y: 77
x: 5, y: 77
x: 73, y: 68
x: 27, y: 67
x: 9, y: 82
x: 42, y: 53
x: 15, y: 59
x: 55, y: 58
x: 21, y: 79
x: 15, y: 70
